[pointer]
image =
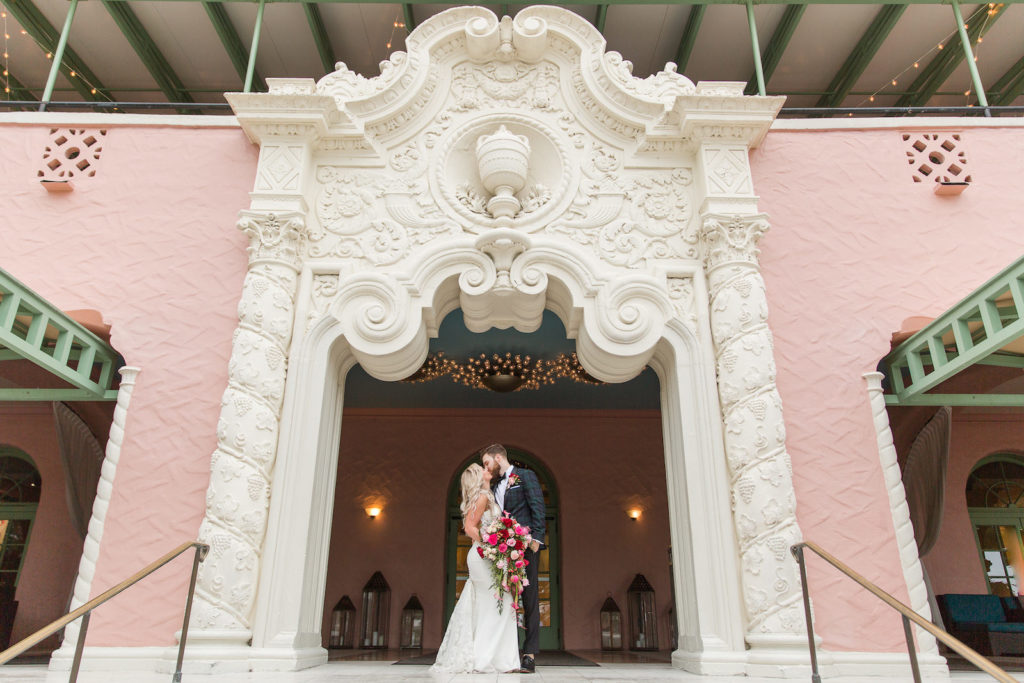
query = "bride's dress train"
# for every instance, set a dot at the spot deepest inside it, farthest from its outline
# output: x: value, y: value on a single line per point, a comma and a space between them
x: 479, y: 639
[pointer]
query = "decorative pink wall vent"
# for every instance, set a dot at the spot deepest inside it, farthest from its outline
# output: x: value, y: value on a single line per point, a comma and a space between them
x: 71, y: 153
x: 940, y: 158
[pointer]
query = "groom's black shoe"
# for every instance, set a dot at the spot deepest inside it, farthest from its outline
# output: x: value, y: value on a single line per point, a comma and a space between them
x: 529, y: 666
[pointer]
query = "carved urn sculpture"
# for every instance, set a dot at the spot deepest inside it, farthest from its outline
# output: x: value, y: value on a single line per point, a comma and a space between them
x: 503, y: 160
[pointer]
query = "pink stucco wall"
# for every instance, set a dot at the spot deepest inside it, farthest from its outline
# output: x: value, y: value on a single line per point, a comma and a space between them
x: 149, y: 242
x: 406, y: 460
x: 855, y: 248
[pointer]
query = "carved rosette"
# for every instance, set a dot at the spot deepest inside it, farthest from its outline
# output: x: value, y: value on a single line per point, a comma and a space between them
x: 237, y: 500
x: 762, y: 493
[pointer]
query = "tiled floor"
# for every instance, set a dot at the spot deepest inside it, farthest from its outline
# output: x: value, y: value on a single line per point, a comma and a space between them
x: 385, y: 672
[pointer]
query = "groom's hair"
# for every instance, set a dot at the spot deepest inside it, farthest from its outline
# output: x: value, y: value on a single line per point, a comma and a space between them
x: 495, y: 449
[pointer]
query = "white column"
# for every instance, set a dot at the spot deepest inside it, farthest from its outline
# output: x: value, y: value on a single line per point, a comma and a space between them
x: 763, y: 499
x: 905, y: 540
x: 61, y: 659
x: 241, y: 467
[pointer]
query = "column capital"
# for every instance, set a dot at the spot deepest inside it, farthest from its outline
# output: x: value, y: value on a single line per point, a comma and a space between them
x: 274, y: 237
x: 731, y: 239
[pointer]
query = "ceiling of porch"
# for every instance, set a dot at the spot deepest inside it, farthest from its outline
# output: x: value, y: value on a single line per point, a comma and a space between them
x: 829, y: 54
x: 458, y: 343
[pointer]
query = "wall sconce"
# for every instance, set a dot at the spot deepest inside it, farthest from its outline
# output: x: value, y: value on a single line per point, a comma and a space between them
x: 373, y: 512
x: 634, y: 513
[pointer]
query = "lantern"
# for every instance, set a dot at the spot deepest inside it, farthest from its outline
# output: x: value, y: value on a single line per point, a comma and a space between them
x: 376, y: 609
x: 643, y: 618
x: 343, y: 625
x: 412, y: 624
x: 611, y: 625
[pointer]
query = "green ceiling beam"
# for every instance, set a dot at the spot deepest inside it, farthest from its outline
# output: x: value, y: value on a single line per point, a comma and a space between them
x: 861, y: 55
x: 777, y: 45
x: 18, y: 89
x: 154, y: 61
x: 948, y: 59
x: 689, y: 37
x: 602, y: 17
x: 1010, y: 85
x: 47, y: 37
x: 410, y: 19
x: 254, y: 48
x: 231, y: 40
x: 320, y: 36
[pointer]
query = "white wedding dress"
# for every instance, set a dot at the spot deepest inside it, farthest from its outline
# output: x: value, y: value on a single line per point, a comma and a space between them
x: 479, y: 639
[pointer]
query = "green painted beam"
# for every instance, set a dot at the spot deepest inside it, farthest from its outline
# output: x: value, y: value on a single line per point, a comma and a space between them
x: 18, y: 91
x: 777, y: 45
x: 47, y: 36
x: 55, y: 395
x: 154, y: 61
x: 409, y: 18
x: 861, y: 55
x: 231, y: 40
x: 948, y: 59
x: 755, y: 49
x: 689, y: 37
x: 25, y: 319
x: 1003, y: 360
x: 320, y: 36
x: 602, y: 17
x: 1010, y: 85
x: 959, y: 400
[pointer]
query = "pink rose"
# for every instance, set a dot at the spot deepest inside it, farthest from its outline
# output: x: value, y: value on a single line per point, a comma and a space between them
x: 512, y: 543
x: 502, y: 548
x: 493, y: 539
x: 519, y: 564
x: 515, y: 578
x: 526, y: 582
x: 514, y: 554
x: 520, y: 530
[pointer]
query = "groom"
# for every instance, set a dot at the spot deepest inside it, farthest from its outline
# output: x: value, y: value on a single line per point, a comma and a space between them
x: 518, y: 493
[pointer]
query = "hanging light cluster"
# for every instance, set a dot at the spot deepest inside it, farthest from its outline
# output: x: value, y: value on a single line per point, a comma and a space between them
x: 503, y: 372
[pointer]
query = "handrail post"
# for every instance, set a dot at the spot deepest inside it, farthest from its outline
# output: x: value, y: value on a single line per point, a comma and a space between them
x: 197, y: 558
x: 910, y: 648
x: 798, y: 553
x: 79, y: 648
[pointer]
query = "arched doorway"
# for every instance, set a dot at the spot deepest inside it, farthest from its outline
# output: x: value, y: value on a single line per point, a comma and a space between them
x: 457, y: 546
x: 995, y: 501
x: 20, y: 488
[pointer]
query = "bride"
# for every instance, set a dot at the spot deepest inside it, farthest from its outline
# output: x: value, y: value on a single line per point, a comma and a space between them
x: 479, y: 639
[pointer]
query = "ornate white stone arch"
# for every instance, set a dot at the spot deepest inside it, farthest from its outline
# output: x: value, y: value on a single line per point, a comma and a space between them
x: 502, y: 167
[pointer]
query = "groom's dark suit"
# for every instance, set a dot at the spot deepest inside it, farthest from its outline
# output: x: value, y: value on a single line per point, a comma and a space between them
x: 524, y: 500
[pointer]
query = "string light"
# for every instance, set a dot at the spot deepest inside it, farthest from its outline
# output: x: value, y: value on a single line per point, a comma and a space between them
x: 503, y: 372
x: 395, y: 25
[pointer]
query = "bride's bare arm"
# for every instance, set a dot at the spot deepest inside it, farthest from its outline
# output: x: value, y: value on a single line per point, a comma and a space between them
x: 472, y: 523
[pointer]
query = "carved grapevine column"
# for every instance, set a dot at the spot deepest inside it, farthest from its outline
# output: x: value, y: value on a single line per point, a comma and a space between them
x: 238, y: 496
x: 762, y: 493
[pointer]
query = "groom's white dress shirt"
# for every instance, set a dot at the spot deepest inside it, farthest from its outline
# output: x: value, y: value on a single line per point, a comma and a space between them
x: 499, y: 493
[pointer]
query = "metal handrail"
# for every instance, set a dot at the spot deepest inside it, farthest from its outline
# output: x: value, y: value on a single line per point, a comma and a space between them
x: 909, y: 615
x: 86, y: 610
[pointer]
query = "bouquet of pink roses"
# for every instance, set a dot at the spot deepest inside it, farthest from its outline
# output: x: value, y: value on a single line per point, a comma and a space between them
x: 504, y: 542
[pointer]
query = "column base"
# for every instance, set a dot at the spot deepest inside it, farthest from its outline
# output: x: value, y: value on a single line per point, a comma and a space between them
x: 147, y: 659
x: 778, y: 655
x: 286, y: 659
x: 211, y: 652
x: 711, y: 662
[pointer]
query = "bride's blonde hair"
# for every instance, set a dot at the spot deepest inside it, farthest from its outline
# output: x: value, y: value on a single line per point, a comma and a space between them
x: 472, y: 485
